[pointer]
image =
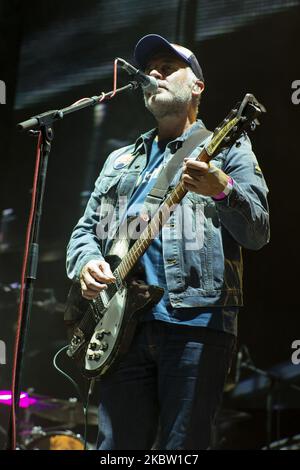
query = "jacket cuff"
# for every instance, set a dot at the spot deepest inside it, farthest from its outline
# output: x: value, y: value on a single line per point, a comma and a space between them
x: 83, y: 261
x: 234, y: 199
x: 225, y: 191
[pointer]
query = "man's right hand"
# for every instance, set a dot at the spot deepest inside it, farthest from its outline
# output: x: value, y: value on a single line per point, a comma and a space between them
x: 94, y: 277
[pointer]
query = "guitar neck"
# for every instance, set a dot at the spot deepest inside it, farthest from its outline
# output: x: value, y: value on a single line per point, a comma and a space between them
x: 157, y: 222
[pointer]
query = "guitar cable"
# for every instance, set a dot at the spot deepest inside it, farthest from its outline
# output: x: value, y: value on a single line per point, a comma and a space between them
x: 85, y: 402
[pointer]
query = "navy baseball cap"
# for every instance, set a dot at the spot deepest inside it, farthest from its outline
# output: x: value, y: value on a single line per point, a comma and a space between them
x: 152, y: 44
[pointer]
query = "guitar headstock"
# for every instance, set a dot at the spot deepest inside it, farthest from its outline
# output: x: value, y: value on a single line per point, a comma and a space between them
x: 242, y: 117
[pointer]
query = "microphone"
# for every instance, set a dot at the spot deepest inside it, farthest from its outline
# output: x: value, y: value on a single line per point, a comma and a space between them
x: 147, y: 83
x: 238, y: 366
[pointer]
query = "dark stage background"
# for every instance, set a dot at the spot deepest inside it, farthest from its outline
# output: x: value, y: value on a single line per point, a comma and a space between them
x: 53, y: 53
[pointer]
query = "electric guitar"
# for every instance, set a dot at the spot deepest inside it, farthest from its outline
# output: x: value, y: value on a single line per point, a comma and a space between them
x: 105, y: 326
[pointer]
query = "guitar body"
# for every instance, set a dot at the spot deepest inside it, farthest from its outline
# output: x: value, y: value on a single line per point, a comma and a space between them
x: 102, y: 330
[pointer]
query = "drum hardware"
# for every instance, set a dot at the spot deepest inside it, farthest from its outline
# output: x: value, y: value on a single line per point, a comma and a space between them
x: 266, y: 384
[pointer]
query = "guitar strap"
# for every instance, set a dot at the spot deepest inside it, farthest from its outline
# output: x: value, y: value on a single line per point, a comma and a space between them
x: 167, y: 173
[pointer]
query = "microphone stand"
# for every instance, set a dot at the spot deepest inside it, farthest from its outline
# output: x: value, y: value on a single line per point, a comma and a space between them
x: 47, y: 118
x: 274, y: 382
x: 44, y: 124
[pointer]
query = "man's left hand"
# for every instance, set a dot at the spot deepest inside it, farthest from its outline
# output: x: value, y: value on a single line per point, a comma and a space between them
x: 202, y: 178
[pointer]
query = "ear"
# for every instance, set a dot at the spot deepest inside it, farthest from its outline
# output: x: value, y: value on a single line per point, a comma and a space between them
x: 198, y: 88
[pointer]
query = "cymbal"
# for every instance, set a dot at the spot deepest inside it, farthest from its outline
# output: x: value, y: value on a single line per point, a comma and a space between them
x: 48, y: 251
x: 52, y: 253
x: 227, y: 416
x: 10, y: 248
x: 63, y: 411
x: 44, y: 298
x: 229, y: 385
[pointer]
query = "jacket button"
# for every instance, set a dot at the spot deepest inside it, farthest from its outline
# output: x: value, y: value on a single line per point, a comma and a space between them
x: 171, y: 261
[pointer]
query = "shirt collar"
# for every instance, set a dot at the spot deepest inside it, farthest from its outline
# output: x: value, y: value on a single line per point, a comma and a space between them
x: 147, y: 138
x: 144, y: 139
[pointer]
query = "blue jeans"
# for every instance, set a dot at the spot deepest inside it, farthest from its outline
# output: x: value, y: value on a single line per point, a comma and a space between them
x: 166, y: 391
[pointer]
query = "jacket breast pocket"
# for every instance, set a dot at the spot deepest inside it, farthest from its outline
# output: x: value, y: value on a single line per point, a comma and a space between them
x: 105, y: 183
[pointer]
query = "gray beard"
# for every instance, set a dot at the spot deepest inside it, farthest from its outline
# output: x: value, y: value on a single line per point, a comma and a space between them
x: 175, y: 105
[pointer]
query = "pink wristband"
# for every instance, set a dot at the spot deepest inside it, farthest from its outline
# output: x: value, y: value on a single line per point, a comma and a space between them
x: 225, y: 191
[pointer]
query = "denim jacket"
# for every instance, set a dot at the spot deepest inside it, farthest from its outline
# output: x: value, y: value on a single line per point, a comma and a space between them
x: 202, y: 239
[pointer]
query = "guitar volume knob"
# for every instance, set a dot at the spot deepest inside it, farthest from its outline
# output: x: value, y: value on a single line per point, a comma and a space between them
x: 103, y: 346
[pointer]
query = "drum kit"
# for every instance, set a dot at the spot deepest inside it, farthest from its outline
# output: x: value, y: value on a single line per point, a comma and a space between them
x: 64, y: 414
